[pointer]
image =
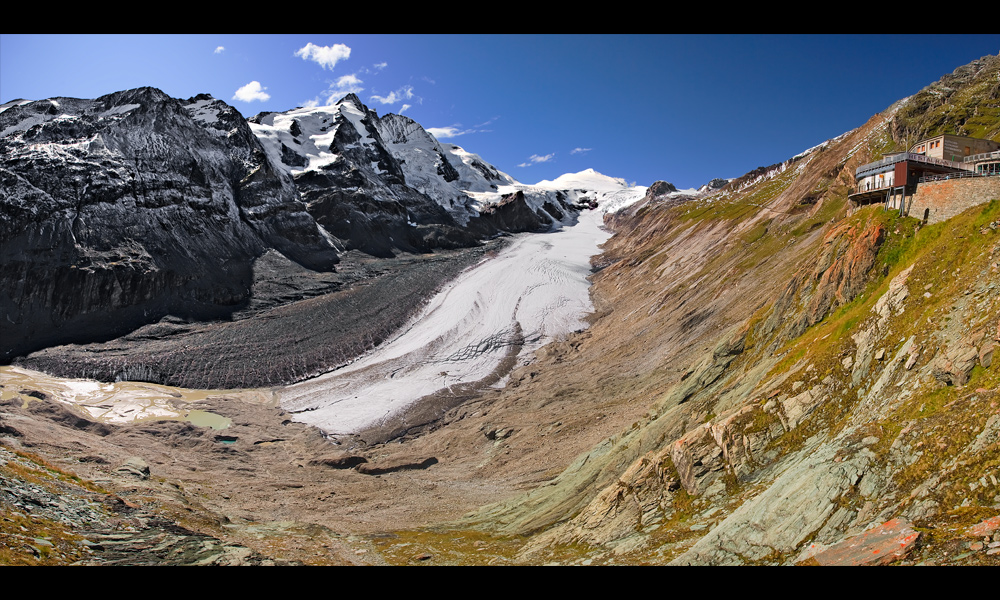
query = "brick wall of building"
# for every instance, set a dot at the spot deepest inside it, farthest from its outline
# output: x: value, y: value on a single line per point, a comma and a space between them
x: 945, y: 199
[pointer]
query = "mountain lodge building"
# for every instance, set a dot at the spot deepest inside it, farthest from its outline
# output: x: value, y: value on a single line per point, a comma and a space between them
x: 893, y: 179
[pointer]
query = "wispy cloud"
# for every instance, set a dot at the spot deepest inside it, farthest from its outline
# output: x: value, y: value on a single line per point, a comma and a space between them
x: 345, y: 84
x: 220, y: 49
x: 479, y: 127
x: 446, y: 132
x: 375, y: 68
x: 325, y: 56
x: 403, y: 93
x: 579, y: 150
x: 252, y: 91
x: 457, y: 130
x: 534, y: 159
x: 404, y: 107
x: 342, y: 86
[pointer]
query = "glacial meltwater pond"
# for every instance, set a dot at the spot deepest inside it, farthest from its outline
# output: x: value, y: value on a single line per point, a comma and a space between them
x: 124, y: 401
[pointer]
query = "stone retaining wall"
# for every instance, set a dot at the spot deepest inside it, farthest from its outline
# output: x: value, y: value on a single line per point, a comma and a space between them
x: 945, y: 199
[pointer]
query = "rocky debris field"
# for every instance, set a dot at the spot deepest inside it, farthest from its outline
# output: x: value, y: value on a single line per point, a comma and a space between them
x: 54, y: 518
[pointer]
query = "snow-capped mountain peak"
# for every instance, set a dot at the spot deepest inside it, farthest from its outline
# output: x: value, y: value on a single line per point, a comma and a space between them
x: 347, y: 136
x: 437, y: 168
x: 349, y: 143
x: 588, y: 179
x: 607, y: 194
x: 299, y: 140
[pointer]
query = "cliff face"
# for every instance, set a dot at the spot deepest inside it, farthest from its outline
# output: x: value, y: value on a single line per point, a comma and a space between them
x: 119, y: 210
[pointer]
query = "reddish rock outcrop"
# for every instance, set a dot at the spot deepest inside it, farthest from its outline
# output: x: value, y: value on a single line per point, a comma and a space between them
x: 887, y: 543
x: 842, y: 270
x: 986, y: 527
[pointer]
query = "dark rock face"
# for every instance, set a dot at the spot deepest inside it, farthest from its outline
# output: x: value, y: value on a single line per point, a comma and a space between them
x: 511, y: 214
x: 119, y: 210
x: 660, y: 188
x: 716, y: 184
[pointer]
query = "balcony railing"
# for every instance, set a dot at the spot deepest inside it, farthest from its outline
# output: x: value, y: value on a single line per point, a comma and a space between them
x: 892, y: 159
x: 984, y: 156
x: 962, y: 175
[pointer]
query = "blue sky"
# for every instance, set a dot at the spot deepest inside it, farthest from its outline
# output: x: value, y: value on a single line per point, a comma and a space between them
x: 682, y: 108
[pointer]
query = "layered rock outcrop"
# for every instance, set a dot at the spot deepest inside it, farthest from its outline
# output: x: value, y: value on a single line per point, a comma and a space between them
x: 119, y: 210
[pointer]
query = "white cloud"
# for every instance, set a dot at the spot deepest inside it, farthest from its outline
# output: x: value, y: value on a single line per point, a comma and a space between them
x: 403, y: 93
x: 374, y: 68
x: 445, y: 132
x: 535, y: 159
x: 326, y: 56
x: 579, y: 150
x: 219, y: 49
x: 404, y: 107
x: 453, y: 130
x: 345, y: 84
x: 350, y: 82
x: 252, y: 91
